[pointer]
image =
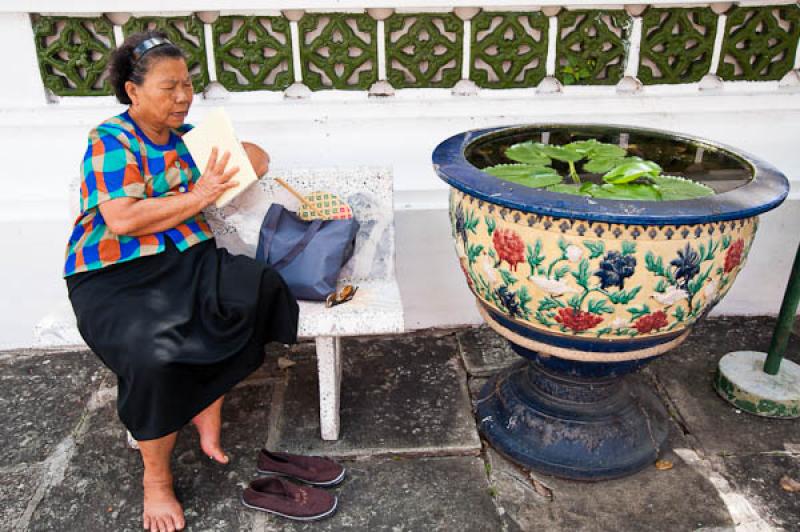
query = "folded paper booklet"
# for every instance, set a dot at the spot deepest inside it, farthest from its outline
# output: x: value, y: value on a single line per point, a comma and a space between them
x: 216, y: 130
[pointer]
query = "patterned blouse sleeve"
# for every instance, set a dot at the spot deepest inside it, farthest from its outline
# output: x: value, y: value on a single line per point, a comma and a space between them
x: 110, y: 169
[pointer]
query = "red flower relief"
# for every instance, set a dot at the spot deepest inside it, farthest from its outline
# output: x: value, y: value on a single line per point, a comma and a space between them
x: 509, y: 246
x: 651, y: 322
x: 734, y: 256
x: 577, y: 320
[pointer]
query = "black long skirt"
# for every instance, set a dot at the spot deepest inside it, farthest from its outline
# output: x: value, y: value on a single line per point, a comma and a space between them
x: 180, y: 329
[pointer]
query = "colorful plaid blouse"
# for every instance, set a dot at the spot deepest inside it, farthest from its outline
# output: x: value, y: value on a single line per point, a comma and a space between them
x: 121, y: 161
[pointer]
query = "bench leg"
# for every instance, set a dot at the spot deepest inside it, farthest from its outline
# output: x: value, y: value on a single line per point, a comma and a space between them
x: 329, y: 367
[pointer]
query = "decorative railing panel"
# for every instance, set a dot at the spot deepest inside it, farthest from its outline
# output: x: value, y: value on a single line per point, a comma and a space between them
x: 677, y: 45
x: 424, y: 50
x: 591, y: 46
x: 339, y: 51
x: 466, y: 49
x: 509, y: 49
x: 253, y: 53
x: 73, y: 54
x: 760, y: 43
x: 186, y: 33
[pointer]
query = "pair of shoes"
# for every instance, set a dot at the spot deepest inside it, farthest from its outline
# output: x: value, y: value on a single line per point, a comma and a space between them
x: 278, y: 496
x: 313, y: 470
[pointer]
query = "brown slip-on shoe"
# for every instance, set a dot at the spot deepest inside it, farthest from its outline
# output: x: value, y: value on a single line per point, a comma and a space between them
x: 314, y: 470
x: 278, y: 496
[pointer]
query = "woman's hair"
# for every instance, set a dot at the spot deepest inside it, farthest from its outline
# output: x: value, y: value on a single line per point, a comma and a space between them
x: 128, y: 65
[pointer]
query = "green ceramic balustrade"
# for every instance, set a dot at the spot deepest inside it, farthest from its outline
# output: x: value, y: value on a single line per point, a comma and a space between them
x: 186, y: 33
x: 253, y: 53
x: 677, y: 45
x: 424, y: 50
x: 509, y: 50
x: 73, y: 54
x: 339, y: 51
x: 760, y: 43
x: 591, y: 46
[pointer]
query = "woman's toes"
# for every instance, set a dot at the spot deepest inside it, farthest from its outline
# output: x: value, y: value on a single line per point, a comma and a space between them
x: 218, y: 456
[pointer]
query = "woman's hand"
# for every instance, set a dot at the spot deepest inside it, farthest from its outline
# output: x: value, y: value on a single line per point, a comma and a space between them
x: 216, y: 179
x: 258, y: 158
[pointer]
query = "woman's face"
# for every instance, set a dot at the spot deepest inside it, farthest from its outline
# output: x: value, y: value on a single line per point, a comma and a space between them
x: 164, y: 97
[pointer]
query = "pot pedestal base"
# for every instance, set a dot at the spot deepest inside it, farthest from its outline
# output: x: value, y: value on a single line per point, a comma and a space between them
x: 571, y: 427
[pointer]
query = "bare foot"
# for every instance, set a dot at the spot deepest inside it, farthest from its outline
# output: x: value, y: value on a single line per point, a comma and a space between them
x: 209, y: 425
x: 162, y: 511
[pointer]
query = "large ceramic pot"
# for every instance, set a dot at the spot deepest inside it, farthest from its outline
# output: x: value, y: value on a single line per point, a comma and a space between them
x: 589, y: 290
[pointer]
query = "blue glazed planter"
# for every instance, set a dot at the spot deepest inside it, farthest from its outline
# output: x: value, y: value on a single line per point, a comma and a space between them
x: 589, y: 290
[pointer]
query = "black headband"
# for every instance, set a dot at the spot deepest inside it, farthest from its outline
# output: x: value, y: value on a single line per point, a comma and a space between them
x: 147, y: 45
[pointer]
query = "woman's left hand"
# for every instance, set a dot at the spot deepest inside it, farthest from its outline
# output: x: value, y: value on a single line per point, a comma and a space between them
x: 258, y: 158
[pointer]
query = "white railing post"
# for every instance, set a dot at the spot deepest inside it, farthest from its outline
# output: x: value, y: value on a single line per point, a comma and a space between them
x: 550, y: 83
x: 23, y: 83
x: 465, y: 86
x: 630, y: 82
x: 711, y: 80
x: 297, y: 90
x: 382, y: 87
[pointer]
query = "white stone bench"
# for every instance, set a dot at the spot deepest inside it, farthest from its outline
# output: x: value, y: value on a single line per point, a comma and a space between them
x: 376, y: 307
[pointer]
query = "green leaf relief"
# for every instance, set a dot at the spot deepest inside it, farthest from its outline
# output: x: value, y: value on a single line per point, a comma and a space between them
x: 679, y: 314
x: 603, y: 332
x: 471, y: 222
x: 624, y: 297
x: 628, y: 248
x: 575, y: 302
x: 543, y: 320
x: 508, y: 279
x: 654, y: 264
x: 661, y: 286
x: 596, y: 249
x: 600, y: 306
x: 534, y: 255
x: 560, y: 272
x: 491, y: 224
x: 697, y: 282
x: 473, y: 251
x: 637, y: 313
x: 726, y: 241
x: 549, y: 302
x: 582, y: 275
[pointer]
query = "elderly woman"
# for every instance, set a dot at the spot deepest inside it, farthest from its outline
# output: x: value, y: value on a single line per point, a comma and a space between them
x: 179, y: 321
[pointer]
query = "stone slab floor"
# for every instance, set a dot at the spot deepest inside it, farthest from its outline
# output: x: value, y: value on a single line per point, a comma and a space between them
x: 409, y: 440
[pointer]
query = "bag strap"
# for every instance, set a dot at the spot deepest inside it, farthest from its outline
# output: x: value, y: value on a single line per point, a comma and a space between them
x: 298, y: 248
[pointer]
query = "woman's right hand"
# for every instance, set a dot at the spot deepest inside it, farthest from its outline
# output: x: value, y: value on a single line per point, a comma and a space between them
x: 215, y: 179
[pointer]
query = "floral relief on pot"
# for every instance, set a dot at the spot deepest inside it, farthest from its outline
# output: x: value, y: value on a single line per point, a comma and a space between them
x: 595, y: 279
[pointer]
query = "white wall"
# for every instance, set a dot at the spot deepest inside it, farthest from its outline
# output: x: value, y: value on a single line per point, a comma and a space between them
x: 42, y: 145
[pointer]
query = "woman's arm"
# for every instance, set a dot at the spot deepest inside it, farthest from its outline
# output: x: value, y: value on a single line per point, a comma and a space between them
x: 138, y: 217
x: 258, y: 158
